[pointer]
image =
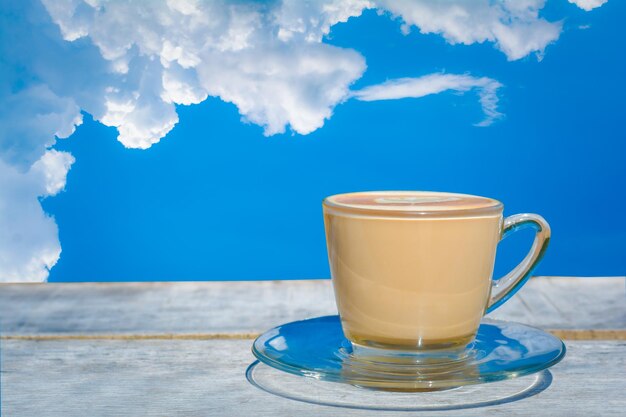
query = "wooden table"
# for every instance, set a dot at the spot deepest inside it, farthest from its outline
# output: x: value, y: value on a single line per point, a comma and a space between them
x: 168, y: 349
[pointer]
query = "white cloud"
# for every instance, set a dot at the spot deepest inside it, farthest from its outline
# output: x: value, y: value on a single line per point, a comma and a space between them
x: 31, y: 120
x: 588, y: 5
x: 51, y: 171
x: 296, y: 86
x: 311, y: 20
x: 140, y: 115
x: 29, y: 243
x: 267, y: 59
x: 129, y: 63
x: 434, y: 84
x: 513, y: 25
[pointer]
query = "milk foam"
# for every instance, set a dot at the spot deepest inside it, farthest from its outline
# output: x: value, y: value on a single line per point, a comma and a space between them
x: 411, y: 201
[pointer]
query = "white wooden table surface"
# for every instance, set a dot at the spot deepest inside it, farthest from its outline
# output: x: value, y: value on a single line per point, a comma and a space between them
x: 170, y: 349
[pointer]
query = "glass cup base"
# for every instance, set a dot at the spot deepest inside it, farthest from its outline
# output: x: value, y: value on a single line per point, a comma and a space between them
x: 320, y: 392
x: 317, y: 348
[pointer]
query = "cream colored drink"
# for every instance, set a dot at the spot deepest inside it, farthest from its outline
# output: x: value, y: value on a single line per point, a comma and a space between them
x: 411, y: 270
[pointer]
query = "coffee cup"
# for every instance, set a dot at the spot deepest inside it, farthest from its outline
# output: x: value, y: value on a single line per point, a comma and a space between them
x: 412, y: 270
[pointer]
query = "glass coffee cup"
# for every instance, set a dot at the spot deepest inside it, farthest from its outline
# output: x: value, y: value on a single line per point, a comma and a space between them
x: 412, y: 271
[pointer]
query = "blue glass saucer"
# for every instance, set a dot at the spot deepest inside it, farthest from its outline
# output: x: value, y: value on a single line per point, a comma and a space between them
x: 316, y: 348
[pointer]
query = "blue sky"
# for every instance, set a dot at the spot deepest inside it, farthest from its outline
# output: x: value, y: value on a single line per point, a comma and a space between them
x: 227, y: 195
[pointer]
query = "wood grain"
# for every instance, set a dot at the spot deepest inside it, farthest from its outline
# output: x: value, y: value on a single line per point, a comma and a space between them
x: 169, y: 349
x: 206, y: 378
x: 254, y: 306
x: 563, y: 334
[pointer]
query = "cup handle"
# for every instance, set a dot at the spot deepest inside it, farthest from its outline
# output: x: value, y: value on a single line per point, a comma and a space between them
x: 505, y: 287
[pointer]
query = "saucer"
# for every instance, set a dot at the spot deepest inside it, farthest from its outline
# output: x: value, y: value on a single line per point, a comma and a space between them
x: 313, y: 391
x: 316, y: 348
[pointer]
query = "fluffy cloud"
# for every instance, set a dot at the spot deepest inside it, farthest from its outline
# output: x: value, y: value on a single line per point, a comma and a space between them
x: 434, y: 84
x: 514, y: 26
x: 298, y: 86
x: 268, y: 60
x: 311, y: 20
x: 29, y: 243
x: 588, y: 4
x: 270, y: 63
x: 32, y: 119
x: 129, y: 64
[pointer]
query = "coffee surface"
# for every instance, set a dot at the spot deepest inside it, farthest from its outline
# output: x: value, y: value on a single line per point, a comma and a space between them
x: 411, y: 201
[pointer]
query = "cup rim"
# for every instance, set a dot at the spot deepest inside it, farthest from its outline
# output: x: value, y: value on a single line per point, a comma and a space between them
x: 491, y: 206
